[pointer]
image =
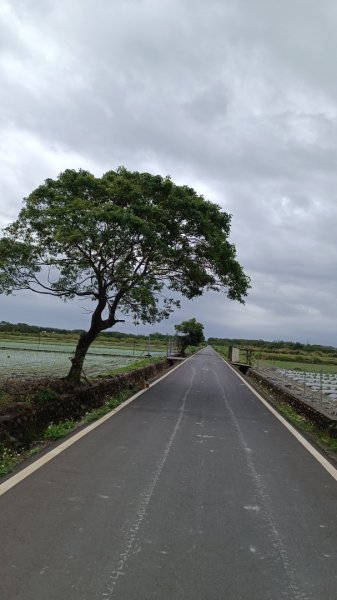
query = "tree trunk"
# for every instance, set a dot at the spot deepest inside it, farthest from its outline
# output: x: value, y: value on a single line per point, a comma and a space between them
x: 183, y: 343
x: 86, y: 339
x: 77, y: 361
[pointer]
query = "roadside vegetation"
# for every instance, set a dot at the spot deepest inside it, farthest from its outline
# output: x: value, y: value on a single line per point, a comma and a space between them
x: 55, y: 431
x: 317, y: 435
x: 9, y: 459
x: 285, y: 355
x: 189, y: 334
x: 138, y: 364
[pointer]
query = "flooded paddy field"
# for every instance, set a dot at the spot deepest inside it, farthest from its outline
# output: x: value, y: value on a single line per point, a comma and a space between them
x: 23, y: 359
x: 30, y: 363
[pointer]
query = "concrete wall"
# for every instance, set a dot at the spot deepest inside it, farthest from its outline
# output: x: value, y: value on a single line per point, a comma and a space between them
x: 24, y: 422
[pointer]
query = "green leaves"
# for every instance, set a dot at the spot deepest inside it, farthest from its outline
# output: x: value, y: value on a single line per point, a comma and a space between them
x: 125, y: 240
x: 191, y: 333
x: 19, y: 264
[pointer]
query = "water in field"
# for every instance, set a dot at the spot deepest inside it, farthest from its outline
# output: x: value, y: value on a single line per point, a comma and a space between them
x: 33, y: 363
x: 41, y: 358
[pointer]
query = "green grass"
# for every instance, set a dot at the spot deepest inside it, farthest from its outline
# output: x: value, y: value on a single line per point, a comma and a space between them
x: 326, y: 441
x: 5, y: 400
x: 8, y: 460
x: 138, y: 364
x: 223, y: 350
x: 295, y: 417
x: 193, y: 349
x: 55, y: 431
x: 44, y: 395
x: 321, y: 437
x: 110, y: 404
x: 96, y: 414
x: 34, y: 450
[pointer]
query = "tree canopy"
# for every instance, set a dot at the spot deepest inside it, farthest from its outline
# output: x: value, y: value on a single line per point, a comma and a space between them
x: 131, y: 242
x: 191, y: 333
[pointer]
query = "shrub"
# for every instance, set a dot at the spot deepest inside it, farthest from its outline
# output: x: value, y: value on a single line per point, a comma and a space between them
x: 8, y: 460
x: 56, y: 431
x: 44, y: 395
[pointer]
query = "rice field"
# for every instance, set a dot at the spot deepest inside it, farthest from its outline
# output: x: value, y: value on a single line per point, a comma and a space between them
x: 29, y: 359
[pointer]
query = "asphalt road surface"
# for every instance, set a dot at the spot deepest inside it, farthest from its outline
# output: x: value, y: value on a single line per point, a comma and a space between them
x: 194, y: 491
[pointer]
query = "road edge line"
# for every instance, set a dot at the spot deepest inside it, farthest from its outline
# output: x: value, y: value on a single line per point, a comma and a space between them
x: 40, y: 462
x: 307, y: 445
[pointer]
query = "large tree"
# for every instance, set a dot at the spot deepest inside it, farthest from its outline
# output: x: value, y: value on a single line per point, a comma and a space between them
x: 131, y: 242
x: 190, y: 333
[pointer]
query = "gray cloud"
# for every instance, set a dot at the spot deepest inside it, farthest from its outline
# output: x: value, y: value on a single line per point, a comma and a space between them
x: 237, y: 99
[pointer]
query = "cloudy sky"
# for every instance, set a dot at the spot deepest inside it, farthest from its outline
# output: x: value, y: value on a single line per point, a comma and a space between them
x: 235, y: 98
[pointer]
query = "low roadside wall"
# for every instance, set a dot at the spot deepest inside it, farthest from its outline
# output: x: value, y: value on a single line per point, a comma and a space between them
x: 313, y: 413
x: 24, y: 422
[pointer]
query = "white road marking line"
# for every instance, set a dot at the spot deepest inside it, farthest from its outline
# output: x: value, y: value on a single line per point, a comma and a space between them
x: 121, y: 566
x: 40, y: 462
x: 266, y: 509
x: 317, y: 455
x: 253, y: 508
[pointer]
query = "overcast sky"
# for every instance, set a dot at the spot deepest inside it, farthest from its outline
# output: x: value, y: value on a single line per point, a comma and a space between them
x: 236, y: 98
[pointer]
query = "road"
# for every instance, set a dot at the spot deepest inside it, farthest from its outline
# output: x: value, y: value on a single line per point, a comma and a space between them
x: 193, y: 491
